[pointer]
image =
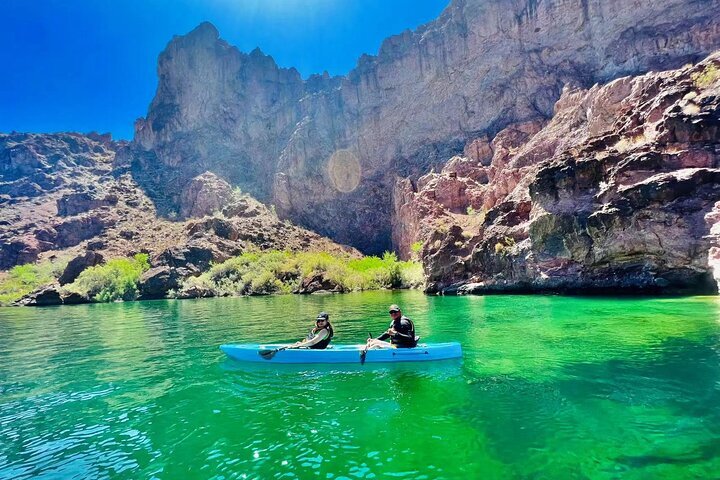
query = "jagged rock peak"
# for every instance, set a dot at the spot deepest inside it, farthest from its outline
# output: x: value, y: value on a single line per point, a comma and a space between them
x: 206, y: 32
x: 481, y: 66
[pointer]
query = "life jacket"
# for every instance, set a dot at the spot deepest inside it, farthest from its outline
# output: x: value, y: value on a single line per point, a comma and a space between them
x: 400, y: 341
x: 326, y: 341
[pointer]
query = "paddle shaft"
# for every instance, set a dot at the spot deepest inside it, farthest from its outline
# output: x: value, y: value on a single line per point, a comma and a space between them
x: 364, y: 352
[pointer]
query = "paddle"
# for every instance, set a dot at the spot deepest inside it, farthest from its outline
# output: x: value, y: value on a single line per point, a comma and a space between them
x: 269, y: 354
x: 363, y: 353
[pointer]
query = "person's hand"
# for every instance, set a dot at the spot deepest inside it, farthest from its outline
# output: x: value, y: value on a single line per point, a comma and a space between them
x: 391, y: 331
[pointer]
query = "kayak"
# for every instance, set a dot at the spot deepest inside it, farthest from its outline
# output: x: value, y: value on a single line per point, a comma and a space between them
x: 344, y: 353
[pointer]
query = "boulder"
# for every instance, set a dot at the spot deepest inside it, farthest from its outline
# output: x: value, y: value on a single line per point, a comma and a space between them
x: 243, y: 207
x: 318, y: 283
x: 75, y: 266
x: 204, y: 195
x: 73, y: 298
x: 195, y: 291
x: 79, y: 202
x: 219, y: 226
x: 96, y: 244
x: 158, y: 281
x: 193, y: 257
x: 44, y: 296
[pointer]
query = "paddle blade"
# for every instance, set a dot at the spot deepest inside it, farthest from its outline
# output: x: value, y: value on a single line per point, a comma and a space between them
x: 362, y: 356
x: 268, y: 354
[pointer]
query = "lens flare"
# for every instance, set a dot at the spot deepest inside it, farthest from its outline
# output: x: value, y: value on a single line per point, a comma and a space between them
x: 344, y: 171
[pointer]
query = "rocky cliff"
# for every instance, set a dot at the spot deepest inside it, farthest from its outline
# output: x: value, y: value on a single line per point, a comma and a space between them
x: 71, y: 196
x: 326, y: 150
x: 619, y: 191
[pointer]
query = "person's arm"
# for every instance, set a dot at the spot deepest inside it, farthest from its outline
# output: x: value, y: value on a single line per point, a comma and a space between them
x: 319, y: 337
x: 388, y: 333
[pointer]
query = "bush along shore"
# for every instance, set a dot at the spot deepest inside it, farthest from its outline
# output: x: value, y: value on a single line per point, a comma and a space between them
x: 251, y: 273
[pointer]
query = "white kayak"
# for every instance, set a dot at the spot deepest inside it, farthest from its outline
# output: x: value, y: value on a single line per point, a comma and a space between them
x: 342, y: 353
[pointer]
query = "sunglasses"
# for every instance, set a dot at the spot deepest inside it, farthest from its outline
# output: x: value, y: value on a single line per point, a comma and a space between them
x: 394, y: 311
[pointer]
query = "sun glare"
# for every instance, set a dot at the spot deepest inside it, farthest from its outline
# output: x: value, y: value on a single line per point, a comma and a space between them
x: 279, y: 9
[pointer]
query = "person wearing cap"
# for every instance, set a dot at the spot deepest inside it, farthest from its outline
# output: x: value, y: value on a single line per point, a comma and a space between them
x: 401, y: 332
x: 320, y: 336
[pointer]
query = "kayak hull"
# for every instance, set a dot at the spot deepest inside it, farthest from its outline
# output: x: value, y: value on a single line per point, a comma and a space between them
x: 344, y: 353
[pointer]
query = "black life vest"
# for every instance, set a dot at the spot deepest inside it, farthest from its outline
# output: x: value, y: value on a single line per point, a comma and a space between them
x: 326, y: 341
x: 401, y: 341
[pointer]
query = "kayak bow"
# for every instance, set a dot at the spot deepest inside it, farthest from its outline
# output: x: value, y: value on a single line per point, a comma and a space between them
x: 344, y: 353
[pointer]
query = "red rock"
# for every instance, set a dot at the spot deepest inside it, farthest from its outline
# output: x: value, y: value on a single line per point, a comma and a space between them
x: 453, y: 82
x: 617, y: 191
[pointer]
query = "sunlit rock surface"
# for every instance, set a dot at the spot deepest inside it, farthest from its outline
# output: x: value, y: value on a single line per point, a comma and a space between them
x: 71, y: 196
x: 481, y: 66
x: 618, y: 191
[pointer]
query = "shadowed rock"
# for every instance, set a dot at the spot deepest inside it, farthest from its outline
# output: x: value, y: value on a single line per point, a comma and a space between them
x: 601, y: 198
x: 429, y: 94
x: 76, y: 266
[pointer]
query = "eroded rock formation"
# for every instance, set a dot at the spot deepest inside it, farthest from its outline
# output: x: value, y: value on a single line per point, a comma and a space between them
x: 326, y: 150
x: 557, y: 169
x: 73, y: 199
x: 618, y: 191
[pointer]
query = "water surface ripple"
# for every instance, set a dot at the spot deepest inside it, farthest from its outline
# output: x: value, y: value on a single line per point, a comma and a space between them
x: 549, y: 387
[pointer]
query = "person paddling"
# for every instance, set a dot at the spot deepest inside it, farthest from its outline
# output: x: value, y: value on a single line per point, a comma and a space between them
x: 320, y: 336
x: 401, y: 332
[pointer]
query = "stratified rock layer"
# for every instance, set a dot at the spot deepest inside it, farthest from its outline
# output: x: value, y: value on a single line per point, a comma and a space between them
x: 618, y: 191
x: 326, y: 150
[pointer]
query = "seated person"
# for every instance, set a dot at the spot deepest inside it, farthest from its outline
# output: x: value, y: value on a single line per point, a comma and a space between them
x: 401, y: 332
x: 320, y: 336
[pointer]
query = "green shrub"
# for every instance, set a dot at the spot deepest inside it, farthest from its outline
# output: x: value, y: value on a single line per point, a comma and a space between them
x: 115, y: 280
x: 282, y: 272
x: 707, y: 77
x: 412, y: 275
x: 416, y: 247
x: 23, y: 279
x: 264, y: 283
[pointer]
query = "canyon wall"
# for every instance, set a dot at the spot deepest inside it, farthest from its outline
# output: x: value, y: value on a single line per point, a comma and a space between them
x: 619, y: 192
x: 326, y: 151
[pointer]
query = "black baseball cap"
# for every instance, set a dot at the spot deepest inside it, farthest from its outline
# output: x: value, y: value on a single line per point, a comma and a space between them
x: 323, y: 316
x: 394, y: 308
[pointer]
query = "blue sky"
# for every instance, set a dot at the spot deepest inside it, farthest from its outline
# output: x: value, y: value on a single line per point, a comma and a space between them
x: 89, y: 65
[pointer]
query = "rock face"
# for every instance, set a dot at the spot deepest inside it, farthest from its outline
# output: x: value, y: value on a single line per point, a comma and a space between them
x: 85, y: 206
x: 618, y: 191
x: 49, y: 175
x: 156, y: 282
x: 326, y: 150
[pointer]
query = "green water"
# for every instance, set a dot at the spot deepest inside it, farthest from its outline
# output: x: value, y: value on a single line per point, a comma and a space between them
x: 549, y: 387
